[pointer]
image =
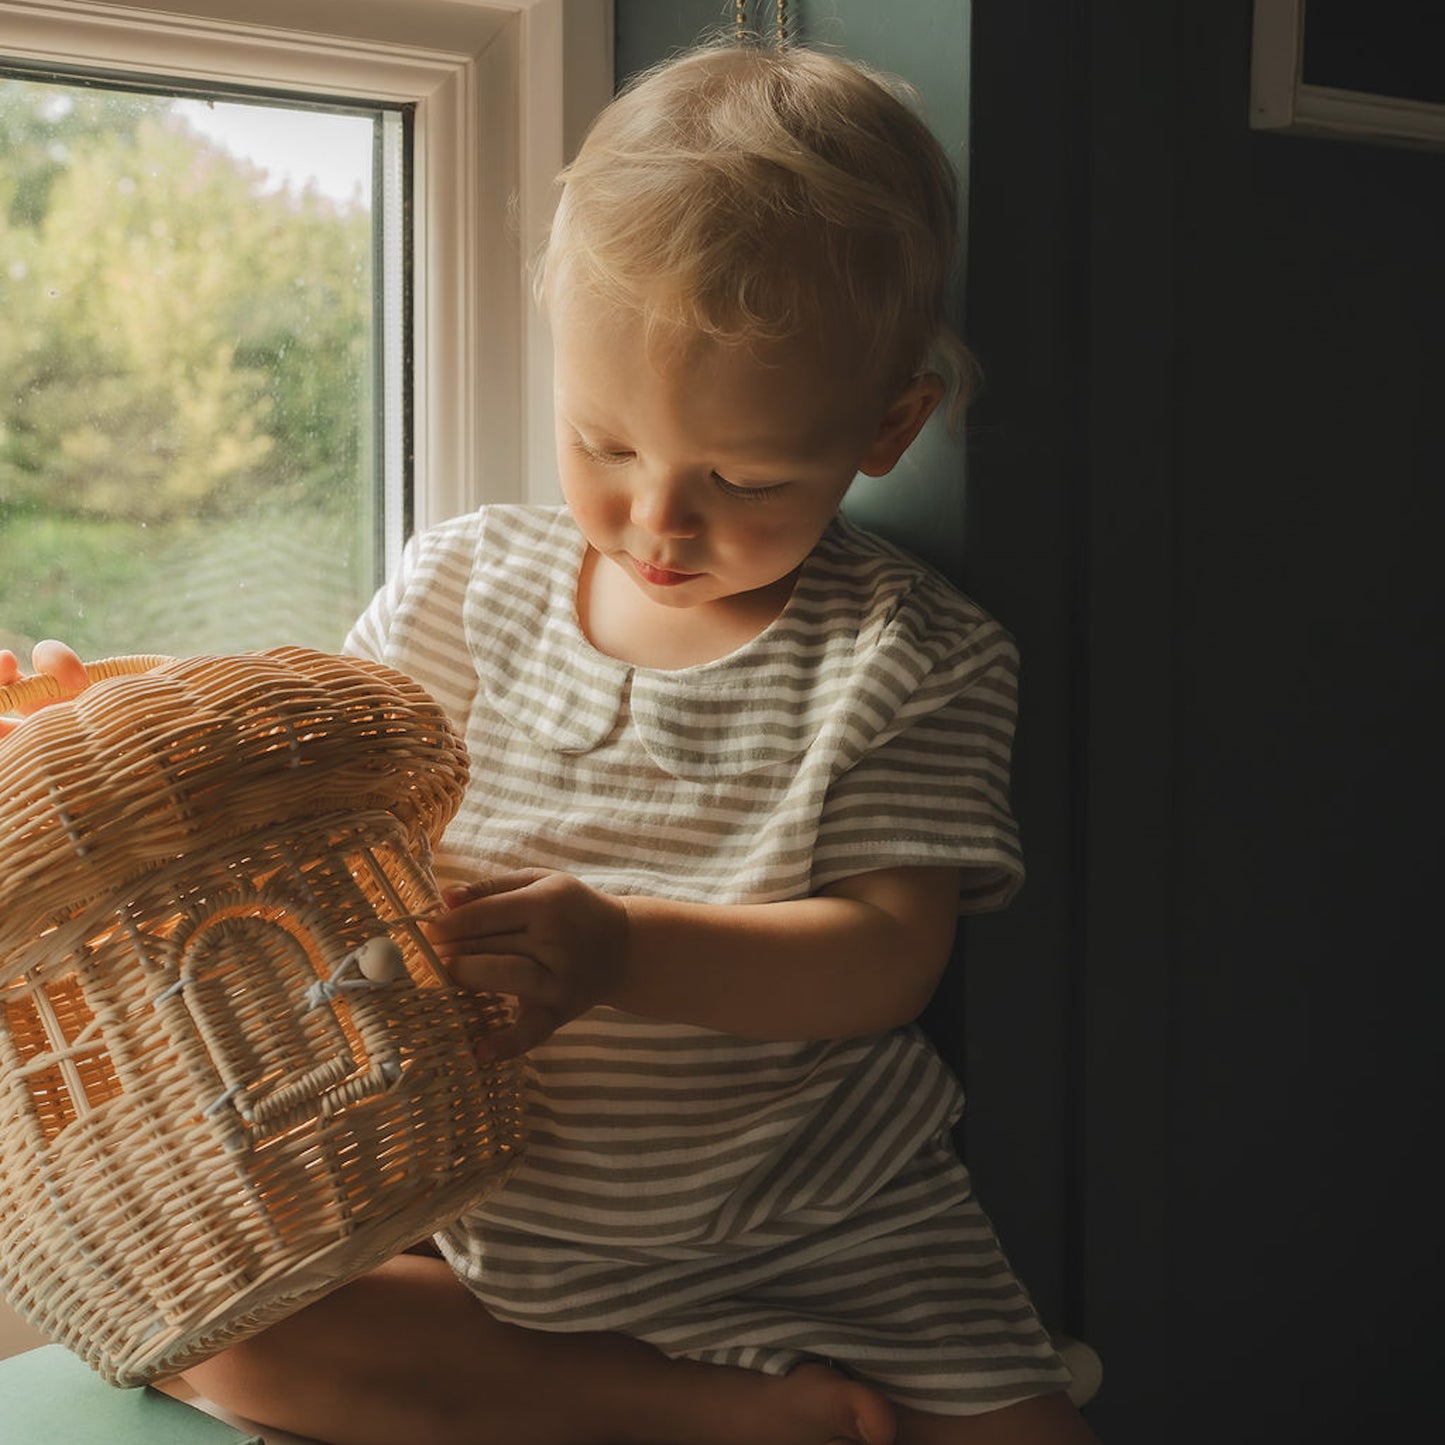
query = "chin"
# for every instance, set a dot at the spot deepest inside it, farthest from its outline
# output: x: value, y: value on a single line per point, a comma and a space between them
x: 677, y: 598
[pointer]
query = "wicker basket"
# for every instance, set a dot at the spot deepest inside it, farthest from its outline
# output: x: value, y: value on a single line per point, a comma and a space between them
x: 232, y: 1073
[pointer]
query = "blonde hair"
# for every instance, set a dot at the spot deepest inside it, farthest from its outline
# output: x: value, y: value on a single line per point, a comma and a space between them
x: 749, y: 194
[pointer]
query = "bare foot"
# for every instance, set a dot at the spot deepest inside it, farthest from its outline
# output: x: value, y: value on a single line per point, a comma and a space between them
x: 855, y: 1413
x: 812, y: 1405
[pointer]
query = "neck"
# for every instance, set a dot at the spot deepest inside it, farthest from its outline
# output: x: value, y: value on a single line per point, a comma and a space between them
x: 620, y: 620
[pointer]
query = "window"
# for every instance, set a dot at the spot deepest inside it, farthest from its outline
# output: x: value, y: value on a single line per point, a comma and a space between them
x: 203, y: 416
x: 59, y: 1050
x: 245, y: 471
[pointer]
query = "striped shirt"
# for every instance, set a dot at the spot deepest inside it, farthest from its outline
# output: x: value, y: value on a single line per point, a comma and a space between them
x: 729, y: 1199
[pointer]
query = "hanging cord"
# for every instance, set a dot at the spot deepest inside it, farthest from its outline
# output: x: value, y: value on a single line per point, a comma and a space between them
x: 780, y: 22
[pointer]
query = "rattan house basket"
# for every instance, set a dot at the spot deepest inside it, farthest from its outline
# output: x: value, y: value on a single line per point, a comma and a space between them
x: 232, y: 1071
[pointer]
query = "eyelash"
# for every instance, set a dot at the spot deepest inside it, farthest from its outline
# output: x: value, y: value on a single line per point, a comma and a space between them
x: 728, y: 489
x: 608, y: 459
x: 746, y: 494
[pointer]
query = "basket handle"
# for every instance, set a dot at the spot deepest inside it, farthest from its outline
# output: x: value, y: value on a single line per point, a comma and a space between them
x: 42, y: 688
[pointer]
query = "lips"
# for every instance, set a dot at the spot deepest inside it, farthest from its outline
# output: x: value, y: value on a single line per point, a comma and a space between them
x: 661, y: 576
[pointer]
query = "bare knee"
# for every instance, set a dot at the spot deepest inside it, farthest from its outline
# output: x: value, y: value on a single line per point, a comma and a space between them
x: 376, y: 1361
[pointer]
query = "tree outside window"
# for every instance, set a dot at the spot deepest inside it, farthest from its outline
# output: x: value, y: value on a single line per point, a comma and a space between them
x: 188, y: 392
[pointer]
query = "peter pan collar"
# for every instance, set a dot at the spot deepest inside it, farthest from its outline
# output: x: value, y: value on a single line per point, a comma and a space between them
x: 759, y: 706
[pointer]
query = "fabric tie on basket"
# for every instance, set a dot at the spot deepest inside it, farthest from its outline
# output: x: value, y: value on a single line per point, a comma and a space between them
x: 233, y: 1073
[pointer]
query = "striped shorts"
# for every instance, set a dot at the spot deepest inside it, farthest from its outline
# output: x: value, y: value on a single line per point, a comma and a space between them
x: 911, y: 1293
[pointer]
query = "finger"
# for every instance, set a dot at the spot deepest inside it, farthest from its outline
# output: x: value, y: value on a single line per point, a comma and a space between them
x: 480, y: 919
x: 60, y: 662
x: 53, y: 658
x: 50, y: 658
x: 491, y: 916
x: 463, y: 893
x: 510, y: 973
x: 531, y: 1027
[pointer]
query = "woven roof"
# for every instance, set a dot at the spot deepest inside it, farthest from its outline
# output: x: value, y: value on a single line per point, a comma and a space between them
x: 139, y: 770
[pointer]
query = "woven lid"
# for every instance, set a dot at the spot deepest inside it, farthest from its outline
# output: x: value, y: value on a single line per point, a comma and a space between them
x: 140, y: 770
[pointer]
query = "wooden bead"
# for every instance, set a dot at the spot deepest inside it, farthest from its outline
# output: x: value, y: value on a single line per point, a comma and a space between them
x: 380, y: 960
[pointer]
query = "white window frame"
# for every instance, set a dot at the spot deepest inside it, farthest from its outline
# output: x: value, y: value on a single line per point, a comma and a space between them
x: 503, y: 91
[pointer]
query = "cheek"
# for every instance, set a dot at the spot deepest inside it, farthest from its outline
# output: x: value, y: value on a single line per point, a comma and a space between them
x: 782, y: 534
x: 756, y: 552
x: 585, y: 498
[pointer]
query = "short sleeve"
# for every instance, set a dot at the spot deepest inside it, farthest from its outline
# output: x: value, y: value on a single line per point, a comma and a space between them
x: 934, y: 789
x: 414, y: 622
x: 369, y: 633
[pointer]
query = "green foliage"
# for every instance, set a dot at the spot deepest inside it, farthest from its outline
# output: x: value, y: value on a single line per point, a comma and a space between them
x: 180, y: 348
x: 38, y: 131
x: 172, y: 337
x: 110, y: 586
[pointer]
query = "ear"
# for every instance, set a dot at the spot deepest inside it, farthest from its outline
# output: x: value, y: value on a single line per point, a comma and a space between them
x: 901, y: 423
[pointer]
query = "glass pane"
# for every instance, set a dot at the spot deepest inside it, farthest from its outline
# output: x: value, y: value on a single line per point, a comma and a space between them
x: 189, y: 364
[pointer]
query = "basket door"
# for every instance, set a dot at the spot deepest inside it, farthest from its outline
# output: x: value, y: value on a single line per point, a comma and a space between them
x: 252, y: 979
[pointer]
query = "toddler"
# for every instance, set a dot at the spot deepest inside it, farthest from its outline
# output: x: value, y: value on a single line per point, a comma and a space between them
x: 737, y: 766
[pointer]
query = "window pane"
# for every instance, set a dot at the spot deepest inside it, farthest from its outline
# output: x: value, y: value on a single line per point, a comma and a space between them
x: 195, y: 391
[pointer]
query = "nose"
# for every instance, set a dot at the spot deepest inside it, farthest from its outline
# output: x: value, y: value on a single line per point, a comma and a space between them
x: 663, y: 504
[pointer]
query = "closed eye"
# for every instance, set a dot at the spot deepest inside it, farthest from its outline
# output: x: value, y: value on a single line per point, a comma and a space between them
x: 748, y: 494
x: 600, y: 454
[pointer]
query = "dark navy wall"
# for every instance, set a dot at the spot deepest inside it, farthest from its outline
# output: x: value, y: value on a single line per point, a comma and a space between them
x: 1216, y: 367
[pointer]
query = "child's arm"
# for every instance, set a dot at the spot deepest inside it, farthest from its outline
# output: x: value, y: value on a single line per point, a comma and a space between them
x: 862, y: 957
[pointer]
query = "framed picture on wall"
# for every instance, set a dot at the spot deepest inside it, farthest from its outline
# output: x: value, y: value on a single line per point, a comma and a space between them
x: 1371, y: 70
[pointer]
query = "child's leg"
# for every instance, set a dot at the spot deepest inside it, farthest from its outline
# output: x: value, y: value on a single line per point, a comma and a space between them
x: 1045, y: 1420
x: 406, y: 1356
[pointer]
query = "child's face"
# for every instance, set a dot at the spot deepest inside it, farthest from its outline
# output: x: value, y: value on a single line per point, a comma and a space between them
x: 708, y: 473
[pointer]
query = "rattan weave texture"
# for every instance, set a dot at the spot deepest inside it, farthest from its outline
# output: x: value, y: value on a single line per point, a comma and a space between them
x: 220, y: 1096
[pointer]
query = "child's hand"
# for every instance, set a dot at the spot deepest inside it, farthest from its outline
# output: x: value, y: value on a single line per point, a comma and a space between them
x: 54, y: 659
x: 547, y: 939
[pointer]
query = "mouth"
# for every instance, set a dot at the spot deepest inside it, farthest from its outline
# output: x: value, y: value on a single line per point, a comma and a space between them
x: 661, y: 576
